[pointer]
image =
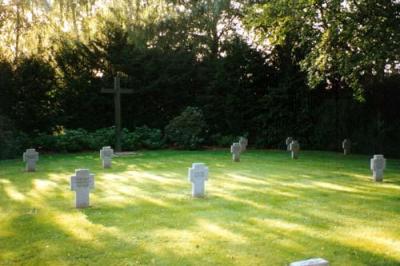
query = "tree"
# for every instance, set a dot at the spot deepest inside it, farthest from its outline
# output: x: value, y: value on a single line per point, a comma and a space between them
x: 344, y: 43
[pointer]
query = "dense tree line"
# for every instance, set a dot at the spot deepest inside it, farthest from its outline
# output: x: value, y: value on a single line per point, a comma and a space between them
x: 187, y: 59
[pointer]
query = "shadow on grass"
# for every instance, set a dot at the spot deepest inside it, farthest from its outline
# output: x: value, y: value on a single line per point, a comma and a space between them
x: 266, y: 210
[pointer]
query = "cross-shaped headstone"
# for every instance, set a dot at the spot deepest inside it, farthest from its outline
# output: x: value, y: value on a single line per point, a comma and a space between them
x: 106, y: 154
x: 197, y: 175
x: 243, y: 143
x: 236, y: 150
x: 117, y: 91
x: 346, y: 145
x: 378, y: 165
x: 288, y: 141
x: 81, y: 183
x: 30, y: 156
x: 295, y: 148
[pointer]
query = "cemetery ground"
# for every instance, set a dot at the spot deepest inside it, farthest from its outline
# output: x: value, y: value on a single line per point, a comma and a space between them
x: 265, y: 210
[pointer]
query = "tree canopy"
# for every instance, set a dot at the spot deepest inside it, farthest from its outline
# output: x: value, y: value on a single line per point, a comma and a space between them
x: 342, y: 42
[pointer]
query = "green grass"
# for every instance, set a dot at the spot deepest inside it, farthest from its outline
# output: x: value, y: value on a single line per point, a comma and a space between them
x: 265, y: 210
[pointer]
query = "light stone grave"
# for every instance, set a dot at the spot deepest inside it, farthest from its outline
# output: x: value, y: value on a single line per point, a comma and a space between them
x: 295, y: 148
x: 346, y: 145
x: 311, y: 262
x: 243, y: 143
x: 288, y: 141
x: 82, y: 182
x: 198, y: 175
x: 235, y: 150
x: 30, y: 156
x: 106, y: 154
x: 378, y: 165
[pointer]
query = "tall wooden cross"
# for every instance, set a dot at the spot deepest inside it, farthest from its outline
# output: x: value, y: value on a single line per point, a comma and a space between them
x: 117, y: 91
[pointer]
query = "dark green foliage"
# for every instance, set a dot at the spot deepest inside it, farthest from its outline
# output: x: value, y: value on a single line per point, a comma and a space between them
x: 12, y: 142
x: 28, y: 94
x: 187, y: 130
x: 102, y: 137
x: 223, y: 140
x: 73, y: 140
x: 149, y: 138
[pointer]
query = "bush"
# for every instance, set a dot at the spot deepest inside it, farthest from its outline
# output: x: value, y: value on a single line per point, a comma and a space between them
x: 73, y: 140
x: 142, y: 138
x: 102, y: 137
x: 130, y: 140
x: 45, y: 142
x: 185, y: 130
x: 12, y: 142
x: 223, y: 140
x: 150, y: 138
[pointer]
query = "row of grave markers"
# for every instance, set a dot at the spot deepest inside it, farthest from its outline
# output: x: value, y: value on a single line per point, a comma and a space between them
x: 82, y: 182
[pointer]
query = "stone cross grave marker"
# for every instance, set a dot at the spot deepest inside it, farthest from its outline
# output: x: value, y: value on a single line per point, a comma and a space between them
x: 197, y: 175
x: 295, y: 148
x: 235, y: 150
x: 346, y: 145
x: 106, y: 154
x: 243, y: 143
x: 82, y: 182
x: 288, y: 141
x: 117, y: 91
x: 30, y: 156
x: 378, y: 165
x: 311, y: 262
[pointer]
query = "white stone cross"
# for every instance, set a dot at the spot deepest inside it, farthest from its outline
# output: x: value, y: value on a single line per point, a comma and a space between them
x: 30, y: 156
x: 106, y: 154
x: 378, y: 165
x: 197, y: 175
x: 311, y: 262
x: 235, y: 150
x: 81, y: 183
x: 288, y: 141
x: 243, y: 143
x: 295, y: 148
x: 346, y: 145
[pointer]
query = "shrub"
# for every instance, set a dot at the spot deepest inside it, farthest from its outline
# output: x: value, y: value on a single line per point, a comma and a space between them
x: 223, y: 140
x: 73, y: 140
x: 185, y: 130
x: 130, y: 140
x: 142, y: 138
x: 102, y: 137
x: 12, y: 142
x: 45, y: 142
x: 149, y: 138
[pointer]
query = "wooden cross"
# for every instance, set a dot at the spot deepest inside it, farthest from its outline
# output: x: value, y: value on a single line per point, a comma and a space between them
x: 117, y: 91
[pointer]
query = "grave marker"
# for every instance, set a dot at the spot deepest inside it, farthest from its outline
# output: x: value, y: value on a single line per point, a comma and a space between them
x: 243, y: 143
x: 346, y: 145
x: 30, y: 156
x: 82, y: 182
x: 288, y: 141
x: 106, y: 154
x: 378, y: 165
x: 197, y: 175
x: 295, y: 148
x: 311, y: 262
x: 235, y: 150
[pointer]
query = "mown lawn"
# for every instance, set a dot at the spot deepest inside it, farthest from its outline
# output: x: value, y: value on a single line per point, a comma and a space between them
x: 265, y: 210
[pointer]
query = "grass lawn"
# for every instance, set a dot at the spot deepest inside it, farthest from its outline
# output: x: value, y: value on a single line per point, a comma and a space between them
x: 265, y: 210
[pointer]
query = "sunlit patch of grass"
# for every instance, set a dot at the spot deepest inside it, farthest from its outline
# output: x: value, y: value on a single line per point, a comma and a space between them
x: 265, y: 210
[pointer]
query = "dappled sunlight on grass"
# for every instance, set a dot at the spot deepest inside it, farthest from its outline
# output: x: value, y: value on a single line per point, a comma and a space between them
x: 265, y: 210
